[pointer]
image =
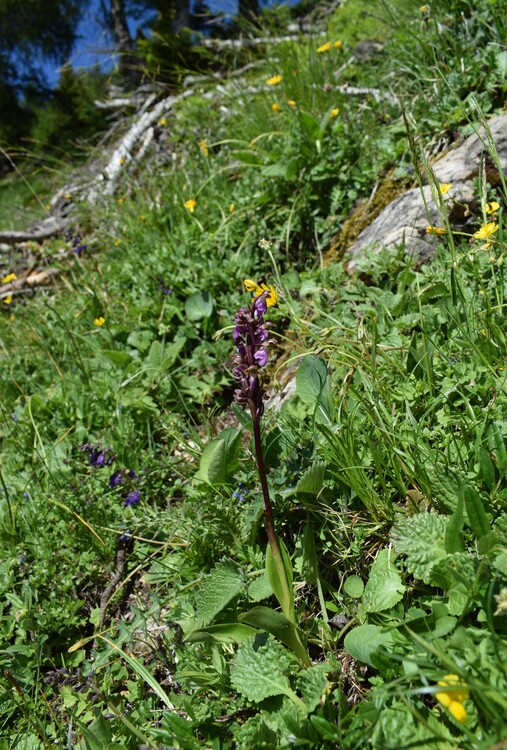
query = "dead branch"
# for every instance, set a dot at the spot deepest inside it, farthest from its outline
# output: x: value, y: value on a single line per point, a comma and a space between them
x: 43, y: 231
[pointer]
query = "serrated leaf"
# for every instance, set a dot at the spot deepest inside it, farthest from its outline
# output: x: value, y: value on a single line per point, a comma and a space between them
x: 256, y: 734
x: 384, y: 588
x: 447, y: 486
x: 260, y: 588
x: 421, y: 538
x: 221, y: 586
x: 260, y: 669
x: 312, y: 684
x: 312, y: 480
x: 362, y: 642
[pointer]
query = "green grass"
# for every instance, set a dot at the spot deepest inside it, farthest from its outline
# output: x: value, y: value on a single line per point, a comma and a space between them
x: 387, y: 465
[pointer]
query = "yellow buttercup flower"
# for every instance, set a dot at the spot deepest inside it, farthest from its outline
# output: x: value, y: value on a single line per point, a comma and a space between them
x: 486, y: 231
x: 276, y: 107
x: 445, y: 187
x: 162, y: 122
x: 324, y: 47
x: 258, y: 289
x: 334, y: 113
x: 8, y: 299
x: 424, y: 10
x: 99, y: 321
x: 453, y: 696
x: 492, y: 207
x: 274, y: 80
x: 291, y: 103
x: 436, y: 230
x: 231, y: 208
x: 190, y: 204
x: 9, y: 277
x: 204, y: 148
x: 338, y: 45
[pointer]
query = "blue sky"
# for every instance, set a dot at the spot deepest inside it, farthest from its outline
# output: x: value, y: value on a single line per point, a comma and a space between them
x: 91, y: 47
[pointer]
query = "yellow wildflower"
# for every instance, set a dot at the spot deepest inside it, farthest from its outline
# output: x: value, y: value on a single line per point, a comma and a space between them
x: 492, y: 207
x: 8, y: 299
x: 68, y: 196
x: 338, y: 45
x: 276, y: 107
x: 117, y: 243
x: 9, y: 277
x: 334, y: 113
x: 445, y: 187
x: 121, y: 161
x: 424, y: 10
x: 190, y: 204
x: 454, y: 695
x: 121, y: 200
x: 258, y: 289
x: 324, y: 47
x: 486, y: 231
x: 436, y: 230
x: 99, y: 321
x: 291, y: 103
x: 204, y: 147
x: 231, y: 208
x: 162, y: 122
x: 274, y: 80
x: 143, y: 218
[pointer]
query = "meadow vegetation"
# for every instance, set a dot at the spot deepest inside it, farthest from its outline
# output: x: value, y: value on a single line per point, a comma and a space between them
x: 139, y: 606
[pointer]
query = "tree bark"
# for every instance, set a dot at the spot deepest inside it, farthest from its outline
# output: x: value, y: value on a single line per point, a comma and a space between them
x: 124, y: 44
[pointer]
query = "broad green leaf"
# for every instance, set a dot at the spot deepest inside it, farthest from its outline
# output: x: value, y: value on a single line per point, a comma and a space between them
x: 312, y: 480
x: 218, y: 460
x: 311, y: 378
x: 260, y: 669
x: 310, y: 125
x: 384, y: 588
x: 250, y: 158
x: 265, y: 618
x: 199, y: 306
x: 312, y: 683
x: 421, y: 538
x: 120, y: 359
x: 260, y: 588
x: 221, y: 586
x: 362, y: 642
x: 353, y: 586
x: 225, y: 632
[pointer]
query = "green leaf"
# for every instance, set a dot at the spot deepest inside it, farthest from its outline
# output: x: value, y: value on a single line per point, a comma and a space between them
x: 224, y: 632
x: 284, y: 594
x: 120, y: 359
x: 497, y: 445
x: 221, y: 586
x: 384, y: 588
x: 218, y: 460
x: 421, y: 538
x: 260, y: 669
x: 353, y: 586
x: 250, y: 158
x: 454, y: 541
x: 478, y: 519
x: 310, y: 125
x: 311, y: 378
x: 199, y: 306
x: 312, y: 480
x: 264, y: 618
x: 312, y: 683
x: 306, y: 563
x: 260, y: 588
x: 362, y: 642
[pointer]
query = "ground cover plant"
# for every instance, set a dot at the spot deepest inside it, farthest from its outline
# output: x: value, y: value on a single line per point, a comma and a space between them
x: 148, y: 598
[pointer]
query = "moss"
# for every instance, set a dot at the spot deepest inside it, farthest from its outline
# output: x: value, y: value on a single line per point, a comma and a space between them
x: 363, y: 215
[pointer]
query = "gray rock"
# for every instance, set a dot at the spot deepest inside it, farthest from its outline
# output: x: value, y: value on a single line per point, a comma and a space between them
x: 404, y: 221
